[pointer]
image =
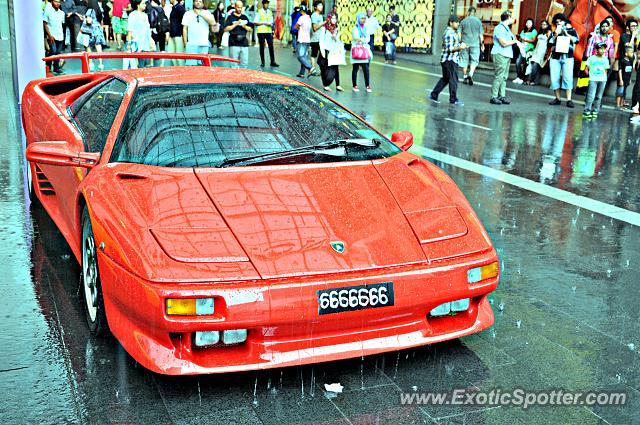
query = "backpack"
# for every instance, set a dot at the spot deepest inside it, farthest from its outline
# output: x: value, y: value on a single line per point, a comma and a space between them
x: 158, y: 19
x: 163, y: 22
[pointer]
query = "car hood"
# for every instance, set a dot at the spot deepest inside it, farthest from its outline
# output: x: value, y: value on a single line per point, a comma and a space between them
x: 284, y: 221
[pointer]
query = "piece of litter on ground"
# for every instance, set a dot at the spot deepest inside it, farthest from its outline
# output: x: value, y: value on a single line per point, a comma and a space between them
x: 334, y: 388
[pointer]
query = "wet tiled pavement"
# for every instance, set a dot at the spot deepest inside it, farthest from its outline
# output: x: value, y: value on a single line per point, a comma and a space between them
x: 566, y: 310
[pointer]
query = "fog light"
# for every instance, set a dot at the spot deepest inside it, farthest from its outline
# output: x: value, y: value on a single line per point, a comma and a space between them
x: 441, y: 310
x: 204, y: 339
x: 460, y: 305
x: 189, y: 306
x: 236, y: 336
x: 482, y: 273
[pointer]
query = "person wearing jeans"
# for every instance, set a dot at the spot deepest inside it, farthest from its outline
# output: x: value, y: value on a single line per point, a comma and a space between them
x: 54, y: 19
x: 237, y: 25
x: 303, y: 26
x: 389, y: 37
x: 597, y: 67
x: 501, y: 54
x: 451, y: 46
x: 562, y: 43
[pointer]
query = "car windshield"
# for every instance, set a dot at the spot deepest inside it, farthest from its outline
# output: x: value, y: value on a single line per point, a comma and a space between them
x: 210, y: 125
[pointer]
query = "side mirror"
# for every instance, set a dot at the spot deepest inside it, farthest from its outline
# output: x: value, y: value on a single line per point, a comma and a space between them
x: 402, y: 139
x: 60, y: 153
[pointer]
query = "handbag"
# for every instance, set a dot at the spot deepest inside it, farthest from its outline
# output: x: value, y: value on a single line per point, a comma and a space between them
x: 360, y: 52
x: 225, y: 40
x: 336, y: 55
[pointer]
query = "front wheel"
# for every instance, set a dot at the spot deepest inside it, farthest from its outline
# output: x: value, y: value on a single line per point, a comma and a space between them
x: 91, y: 286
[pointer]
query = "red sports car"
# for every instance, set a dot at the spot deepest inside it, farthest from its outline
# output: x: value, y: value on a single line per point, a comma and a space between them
x: 230, y: 220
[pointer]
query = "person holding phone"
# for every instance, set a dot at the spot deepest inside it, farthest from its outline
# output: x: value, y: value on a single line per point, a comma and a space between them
x: 562, y: 42
x: 237, y: 25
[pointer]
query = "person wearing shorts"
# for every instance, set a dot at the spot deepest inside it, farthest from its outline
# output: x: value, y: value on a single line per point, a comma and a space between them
x: 119, y: 20
x: 472, y: 36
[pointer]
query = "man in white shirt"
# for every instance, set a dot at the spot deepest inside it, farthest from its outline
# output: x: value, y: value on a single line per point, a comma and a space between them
x: 372, y: 26
x: 53, y: 19
x: 304, y: 42
x: 196, y: 25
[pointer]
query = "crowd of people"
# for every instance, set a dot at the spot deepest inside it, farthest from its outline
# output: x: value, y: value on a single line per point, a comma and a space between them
x: 609, y: 56
x: 166, y: 25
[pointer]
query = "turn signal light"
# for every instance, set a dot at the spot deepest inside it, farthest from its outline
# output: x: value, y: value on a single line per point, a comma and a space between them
x: 481, y: 273
x: 189, y: 306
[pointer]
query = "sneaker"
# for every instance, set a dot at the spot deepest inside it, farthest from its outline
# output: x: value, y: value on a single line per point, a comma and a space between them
x: 356, y: 89
x: 433, y: 99
x: 300, y: 75
x: 465, y: 80
x: 555, y: 102
x: 635, y: 119
x: 274, y: 65
x: 458, y: 103
x: 470, y: 80
x: 495, y: 101
x: 339, y: 88
x: 586, y: 114
x: 504, y: 100
x: 395, y: 63
x: 369, y: 90
x: 262, y: 65
x: 327, y: 88
x: 594, y: 114
x: 518, y: 81
x: 570, y: 104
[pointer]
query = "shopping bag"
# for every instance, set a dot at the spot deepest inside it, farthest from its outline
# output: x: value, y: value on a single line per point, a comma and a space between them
x: 225, y: 39
x: 360, y: 52
x: 336, y: 55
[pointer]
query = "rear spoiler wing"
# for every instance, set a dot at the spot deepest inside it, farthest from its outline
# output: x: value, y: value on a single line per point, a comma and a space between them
x: 85, y: 57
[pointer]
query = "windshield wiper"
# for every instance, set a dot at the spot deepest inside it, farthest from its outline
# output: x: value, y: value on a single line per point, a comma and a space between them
x: 320, y: 148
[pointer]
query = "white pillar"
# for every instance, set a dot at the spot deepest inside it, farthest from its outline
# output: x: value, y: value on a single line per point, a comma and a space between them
x: 27, y: 42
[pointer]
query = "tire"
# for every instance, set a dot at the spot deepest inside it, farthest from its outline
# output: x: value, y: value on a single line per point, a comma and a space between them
x: 91, y: 286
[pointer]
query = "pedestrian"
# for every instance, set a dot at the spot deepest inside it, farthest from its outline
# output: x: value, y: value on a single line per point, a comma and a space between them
x: 294, y: 31
x: 597, y: 67
x: 196, y: 25
x: 360, y: 52
x: 237, y: 25
x: 119, y: 20
x: 635, y: 97
x: 528, y: 37
x: 472, y: 34
x: 451, y: 48
x: 625, y: 69
x: 54, y: 19
x: 501, y: 54
x: 139, y: 30
x: 601, y: 35
x: 563, y: 40
x: 264, y: 23
x: 106, y: 19
x: 69, y: 9
x: 389, y: 37
x: 330, y: 43
x: 91, y: 35
x: 160, y: 25
x: 317, y: 22
x: 539, y: 58
x: 176, y: 31
x: 220, y: 16
x: 303, y: 26
x: 373, y: 26
x: 395, y: 19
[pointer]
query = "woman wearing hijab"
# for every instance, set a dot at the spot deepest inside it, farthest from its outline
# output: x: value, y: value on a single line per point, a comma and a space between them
x: 359, y: 41
x: 329, y: 40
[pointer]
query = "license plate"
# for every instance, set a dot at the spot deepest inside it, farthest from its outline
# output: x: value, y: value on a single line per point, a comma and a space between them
x: 351, y: 298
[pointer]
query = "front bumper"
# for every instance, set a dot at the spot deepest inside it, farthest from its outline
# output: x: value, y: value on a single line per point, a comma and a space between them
x: 284, y: 327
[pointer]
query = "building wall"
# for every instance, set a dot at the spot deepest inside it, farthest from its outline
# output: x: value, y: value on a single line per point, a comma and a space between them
x: 416, y: 19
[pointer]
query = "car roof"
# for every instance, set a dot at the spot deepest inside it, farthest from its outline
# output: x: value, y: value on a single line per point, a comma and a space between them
x: 160, y: 76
